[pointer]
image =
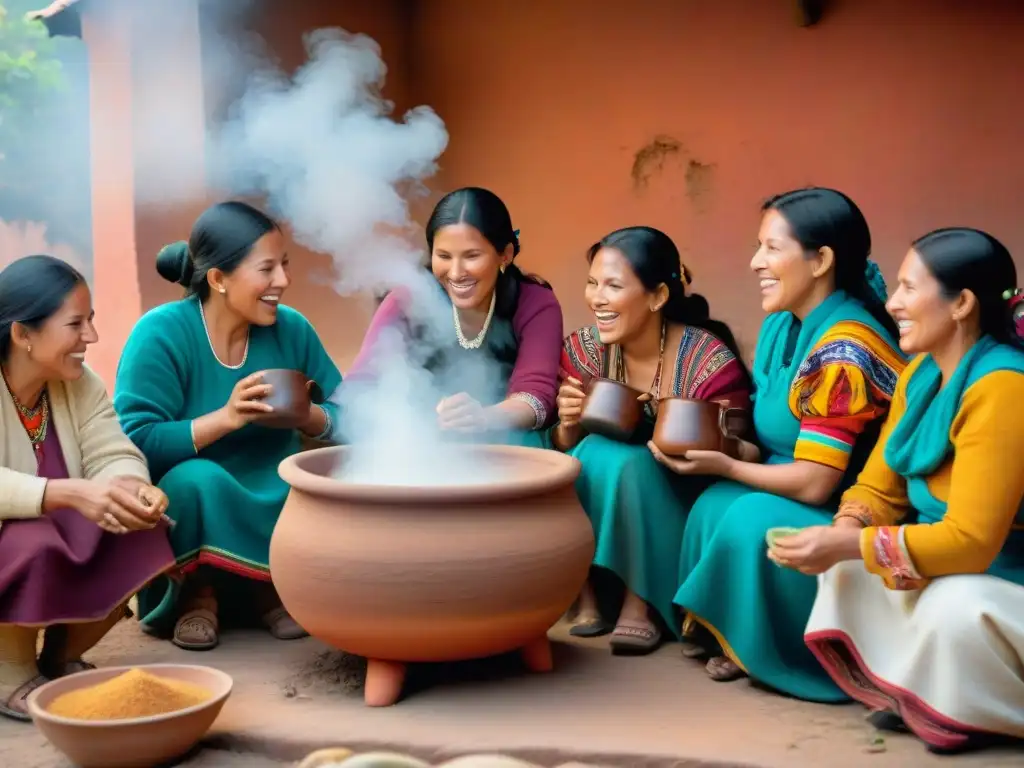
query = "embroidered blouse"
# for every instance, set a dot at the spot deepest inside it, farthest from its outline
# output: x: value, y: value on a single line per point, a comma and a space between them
x: 843, y: 385
x: 703, y: 367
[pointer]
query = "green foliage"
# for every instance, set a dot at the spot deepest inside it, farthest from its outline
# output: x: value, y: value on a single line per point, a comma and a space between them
x: 28, y: 69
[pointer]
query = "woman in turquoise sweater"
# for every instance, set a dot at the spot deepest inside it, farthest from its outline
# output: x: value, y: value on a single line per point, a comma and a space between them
x: 188, y: 392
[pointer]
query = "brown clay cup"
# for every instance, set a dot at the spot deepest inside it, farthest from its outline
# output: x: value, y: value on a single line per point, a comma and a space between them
x: 696, y: 425
x: 291, y: 395
x: 136, y: 743
x: 611, y: 409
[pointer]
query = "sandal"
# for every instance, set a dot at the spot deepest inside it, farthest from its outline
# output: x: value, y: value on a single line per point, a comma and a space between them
x: 196, y: 630
x: 634, y: 639
x: 722, y: 669
x: 9, y: 708
x: 590, y: 625
x: 282, y: 626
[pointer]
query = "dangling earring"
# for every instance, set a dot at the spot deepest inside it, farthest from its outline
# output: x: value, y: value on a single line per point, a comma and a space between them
x: 502, y: 269
x: 29, y: 349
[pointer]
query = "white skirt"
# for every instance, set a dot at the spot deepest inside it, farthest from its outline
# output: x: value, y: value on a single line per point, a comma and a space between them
x: 949, y: 658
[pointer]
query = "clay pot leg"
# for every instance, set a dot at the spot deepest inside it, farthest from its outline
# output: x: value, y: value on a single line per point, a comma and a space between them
x: 537, y: 655
x: 384, y: 680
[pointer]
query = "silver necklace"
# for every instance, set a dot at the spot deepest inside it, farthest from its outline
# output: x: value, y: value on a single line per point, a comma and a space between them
x: 477, y: 341
x: 245, y: 354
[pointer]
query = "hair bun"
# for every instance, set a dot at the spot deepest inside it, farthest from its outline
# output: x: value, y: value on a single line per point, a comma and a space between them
x: 699, y: 310
x: 174, y: 264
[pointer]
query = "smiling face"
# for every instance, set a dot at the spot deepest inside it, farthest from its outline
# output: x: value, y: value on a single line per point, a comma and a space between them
x: 926, y: 317
x: 255, y: 287
x: 789, y: 277
x: 58, y: 345
x: 622, y: 306
x: 467, y: 265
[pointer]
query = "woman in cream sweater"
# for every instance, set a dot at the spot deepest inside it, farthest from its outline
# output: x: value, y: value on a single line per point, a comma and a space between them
x: 80, y: 524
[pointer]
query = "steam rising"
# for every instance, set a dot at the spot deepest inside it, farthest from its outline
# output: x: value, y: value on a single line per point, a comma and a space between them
x: 322, y: 150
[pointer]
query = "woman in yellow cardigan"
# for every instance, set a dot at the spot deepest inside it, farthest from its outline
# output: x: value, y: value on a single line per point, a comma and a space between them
x: 920, y: 606
x: 80, y: 524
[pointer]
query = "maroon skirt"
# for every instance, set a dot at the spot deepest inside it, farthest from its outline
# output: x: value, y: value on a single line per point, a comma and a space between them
x: 63, y: 568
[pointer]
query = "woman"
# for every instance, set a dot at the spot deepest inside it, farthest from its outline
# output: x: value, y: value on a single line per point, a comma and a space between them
x: 497, y: 366
x: 80, y: 526
x: 650, y: 334
x: 923, y: 614
x: 825, y: 367
x: 189, y: 393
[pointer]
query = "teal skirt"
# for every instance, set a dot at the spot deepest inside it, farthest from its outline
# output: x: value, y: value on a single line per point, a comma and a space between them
x: 755, y: 609
x: 220, y: 523
x: 638, y: 510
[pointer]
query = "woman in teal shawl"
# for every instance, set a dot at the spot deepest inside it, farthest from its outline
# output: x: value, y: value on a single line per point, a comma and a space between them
x: 920, y: 606
x: 824, y: 371
x: 188, y: 392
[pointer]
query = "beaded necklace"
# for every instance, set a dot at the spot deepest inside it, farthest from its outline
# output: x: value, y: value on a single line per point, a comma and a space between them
x: 36, y: 421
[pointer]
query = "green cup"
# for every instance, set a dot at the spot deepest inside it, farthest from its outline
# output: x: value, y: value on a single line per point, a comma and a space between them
x: 778, y: 533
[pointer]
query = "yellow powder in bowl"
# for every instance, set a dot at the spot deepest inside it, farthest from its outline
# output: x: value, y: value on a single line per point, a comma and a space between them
x: 136, y: 693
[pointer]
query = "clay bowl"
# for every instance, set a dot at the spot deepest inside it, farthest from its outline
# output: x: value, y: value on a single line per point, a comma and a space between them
x: 292, y: 394
x: 611, y: 409
x: 136, y: 743
x: 696, y: 425
x: 432, y: 573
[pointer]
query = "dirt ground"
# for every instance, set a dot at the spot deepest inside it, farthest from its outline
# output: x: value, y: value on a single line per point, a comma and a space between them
x: 660, y: 711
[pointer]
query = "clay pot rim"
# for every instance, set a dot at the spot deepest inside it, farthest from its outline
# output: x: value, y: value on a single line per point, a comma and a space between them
x: 553, y: 471
x: 224, y: 685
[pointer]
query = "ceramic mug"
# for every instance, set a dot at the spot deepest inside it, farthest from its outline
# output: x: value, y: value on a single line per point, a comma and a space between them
x: 611, y: 409
x: 697, y: 425
x: 291, y: 395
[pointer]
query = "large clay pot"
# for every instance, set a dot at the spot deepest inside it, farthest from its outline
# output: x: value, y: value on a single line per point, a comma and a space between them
x: 292, y: 393
x: 696, y: 425
x: 415, y: 574
x: 611, y: 409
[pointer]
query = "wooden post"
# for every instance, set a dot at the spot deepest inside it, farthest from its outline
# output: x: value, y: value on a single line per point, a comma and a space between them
x: 147, y: 144
x: 115, y: 279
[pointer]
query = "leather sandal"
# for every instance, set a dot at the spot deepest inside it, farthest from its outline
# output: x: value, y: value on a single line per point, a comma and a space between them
x: 635, y: 639
x: 722, y: 669
x: 282, y: 626
x: 13, y: 707
x: 590, y: 626
x: 197, y: 623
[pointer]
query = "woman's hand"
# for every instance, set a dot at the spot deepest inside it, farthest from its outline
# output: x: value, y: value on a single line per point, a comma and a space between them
x: 461, y: 413
x: 814, y: 550
x: 151, y: 497
x: 570, y: 402
x: 246, y: 402
x: 115, y: 505
x: 694, y: 462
